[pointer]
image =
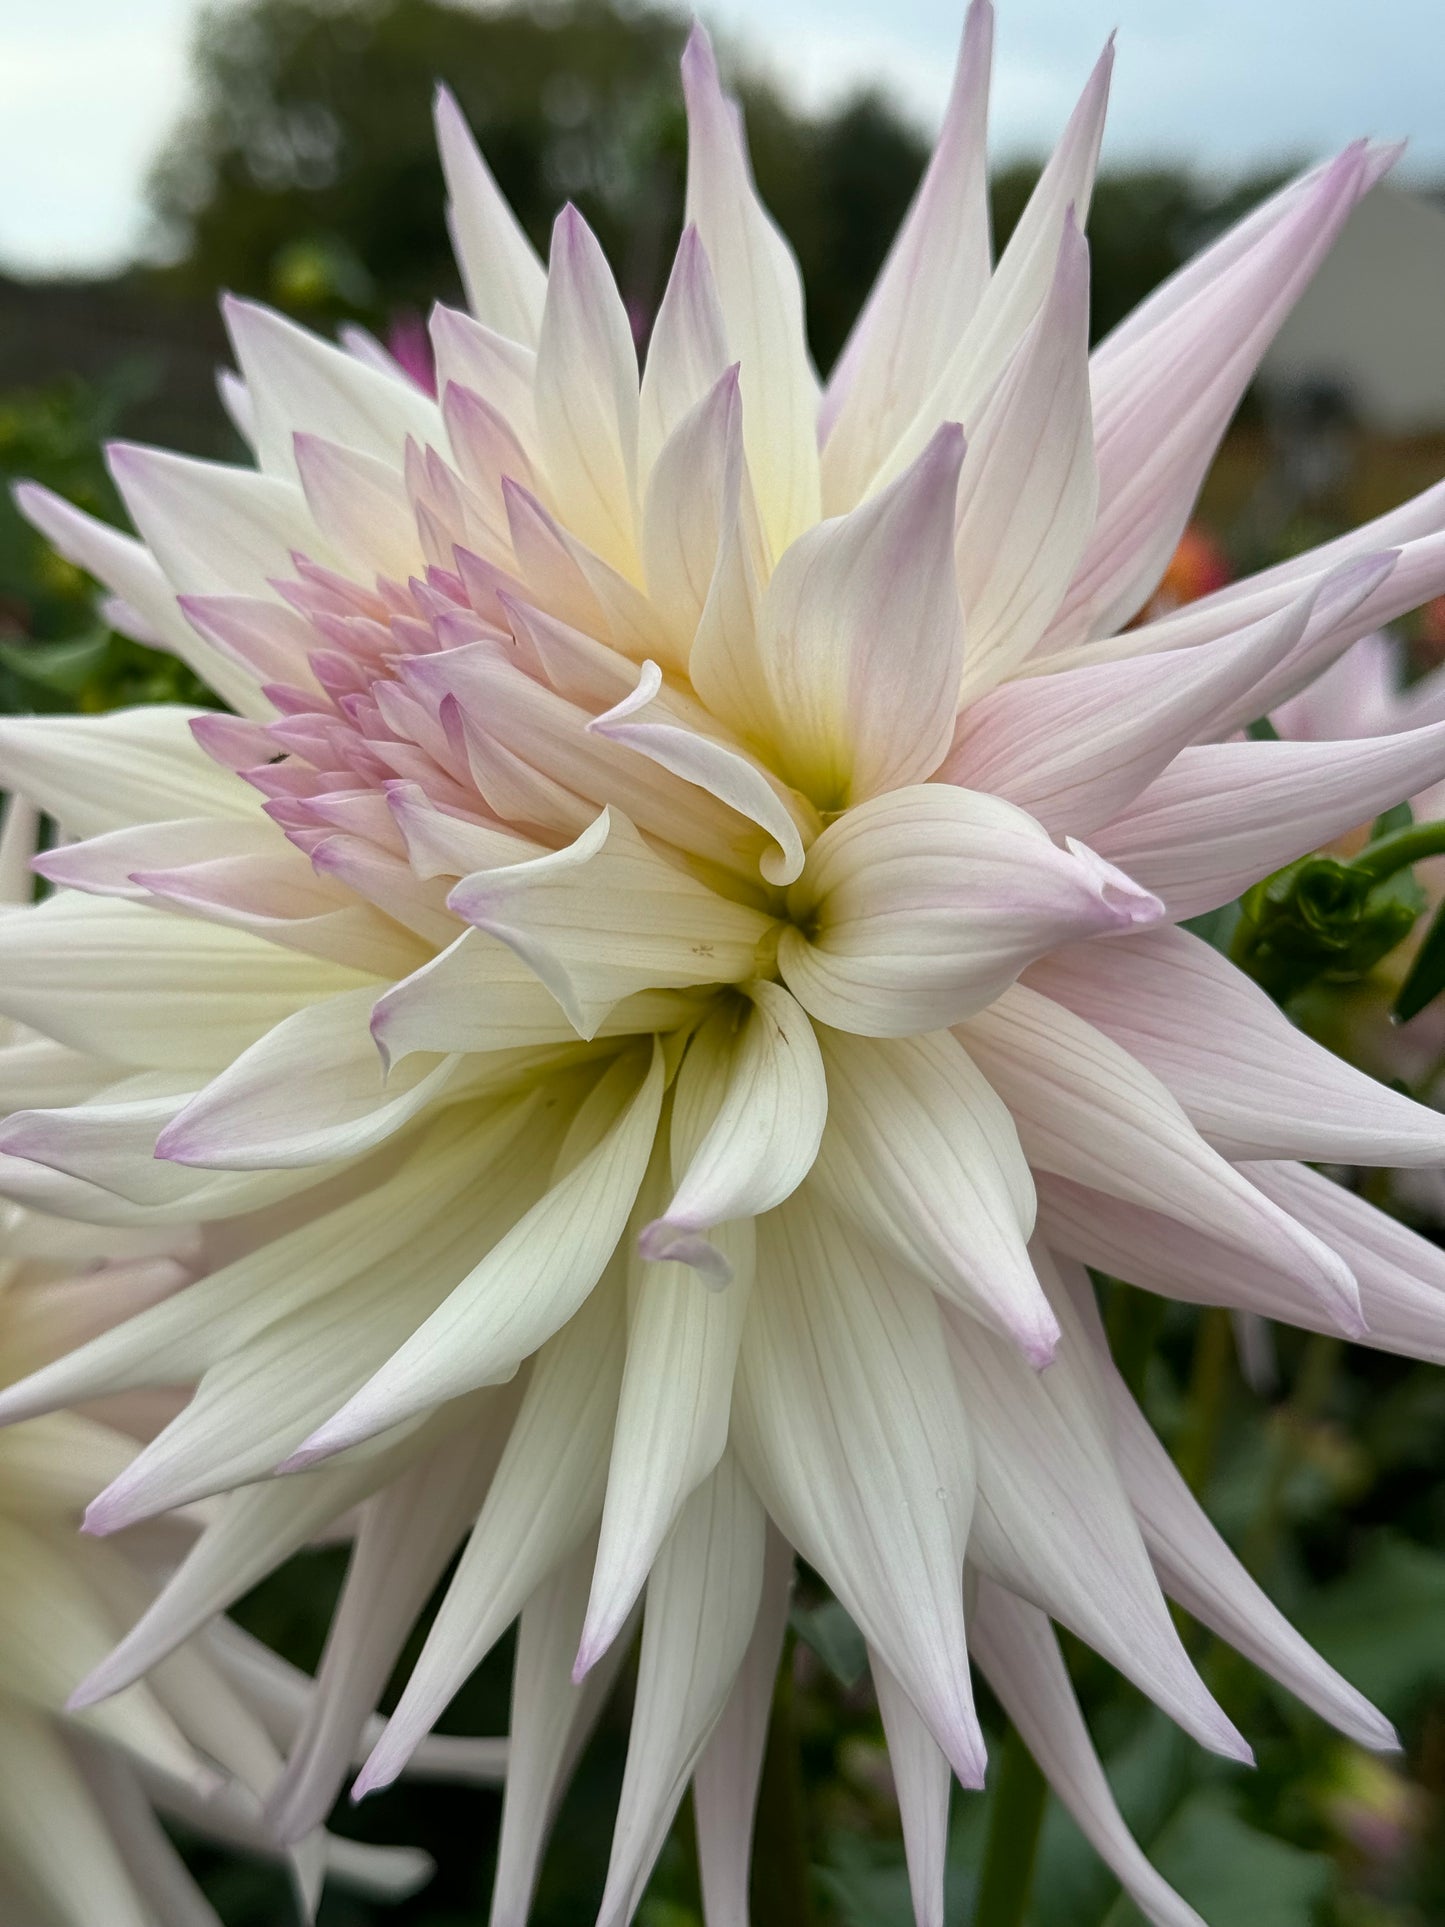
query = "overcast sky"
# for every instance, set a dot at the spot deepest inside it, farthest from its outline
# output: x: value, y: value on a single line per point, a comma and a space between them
x: 88, y: 88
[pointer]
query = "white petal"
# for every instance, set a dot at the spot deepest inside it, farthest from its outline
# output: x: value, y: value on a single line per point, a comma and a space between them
x: 923, y: 1781
x: 100, y: 773
x: 1028, y: 488
x: 543, y: 1502
x: 1250, y: 1083
x: 530, y: 1283
x: 587, y: 395
x: 702, y: 1603
x: 506, y: 284
x: 761, y: 297
x: 686, y: 352
x: 748, y: 1116
x: 921, y: 906
x: 725, y: 1780
x: 836, y: 1348
x: 923, y: 1156
x: 1020, y: 1657
x: 927, y: 291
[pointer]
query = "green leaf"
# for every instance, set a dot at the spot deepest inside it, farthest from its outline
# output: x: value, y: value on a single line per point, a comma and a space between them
x: 1261, y: 730
x: 1399, y: 818
x: 1230, y: 1872
x: 834, y: 1638
x: 1426, y: 976
x: 65, y: 667
x: 1380, y: 1624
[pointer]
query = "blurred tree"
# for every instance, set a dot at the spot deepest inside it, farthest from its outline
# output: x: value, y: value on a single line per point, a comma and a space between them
x: 306, y: 171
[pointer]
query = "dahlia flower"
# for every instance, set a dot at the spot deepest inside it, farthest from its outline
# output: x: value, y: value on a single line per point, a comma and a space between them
x: 202, y: 1739
x: 743, y: 823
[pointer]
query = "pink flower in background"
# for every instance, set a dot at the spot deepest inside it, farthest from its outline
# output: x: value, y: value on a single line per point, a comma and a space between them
x: 672, y: 971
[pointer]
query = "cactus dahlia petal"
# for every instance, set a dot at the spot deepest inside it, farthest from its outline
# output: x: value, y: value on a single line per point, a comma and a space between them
x: 672, y: 969
x: 202, y: 1740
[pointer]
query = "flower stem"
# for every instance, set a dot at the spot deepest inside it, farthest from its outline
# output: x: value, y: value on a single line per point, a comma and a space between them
x: 1208, y: 1381
x: 780, y: 1890
x: 1013, y: 1838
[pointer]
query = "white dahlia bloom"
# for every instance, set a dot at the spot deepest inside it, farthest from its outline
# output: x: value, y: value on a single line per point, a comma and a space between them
x: 203, y: 1739
x: 743, y: 822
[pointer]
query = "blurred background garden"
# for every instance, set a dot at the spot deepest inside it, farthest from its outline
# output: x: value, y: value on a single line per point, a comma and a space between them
x: 301, y: 171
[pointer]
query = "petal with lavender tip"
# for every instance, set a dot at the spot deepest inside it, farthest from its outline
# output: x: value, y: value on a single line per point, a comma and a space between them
x: 726, y: 1778
x: 1088, y: 1112
x: 532, y: 1282
x: 1225, y: 814
x: 1053, y: 1522
x: 919, y: 907
x: 499, y: 372
x: 1020, y: 282
x: 921, y: 1154
x: 702, y: 1604
x: 761, y: 297
x: 690, y: 490
x: 308, y: 1092
x: 608, y: 917
x: 542, y: 1503
x: 303, y: 385
x: 550, y: 1723
x: 1163, y: 399
x: 672, y: 1414
x: 1028, y: 488
x: 132, y: 572
x: 861, y: 638
x: 727, y: 773
x: 506, y: 284
x: 213, y: 528
x: 1020, y: 1658
x: 587, y: 395
x: 1198, y: 1569
x: 850, y: 1427
x: 928, y: 289
x: 361, y: 505
x: 751, y: 1100
x: 106, y: 866
x: 1250, y: 1082
x: 407, y: 1535
x: 686, y: 351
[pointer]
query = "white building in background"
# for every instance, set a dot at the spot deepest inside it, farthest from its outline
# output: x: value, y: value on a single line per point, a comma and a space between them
x: 1372, y: 323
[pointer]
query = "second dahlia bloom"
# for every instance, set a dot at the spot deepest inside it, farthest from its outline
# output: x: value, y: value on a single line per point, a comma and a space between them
x: 741, y: 820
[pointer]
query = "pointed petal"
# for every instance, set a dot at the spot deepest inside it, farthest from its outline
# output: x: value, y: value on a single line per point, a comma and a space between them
x: 506, y: 284
x: 1020, y: 1658
x: 362, y: 507
x: 551, y: 1721
x: 690, y: 491
x: 213, y: 528
x: 587, y: 395
x: 1225, y: 814
x: 1088, y: 1112
x: 686, y: 352
x: 528, y: 1285
x: 927, y: 292
x: 761, y: 296
x: 1028, y: 489
x: 702, y: 1604
x: 923, y: 905
x: 747, y: 1119
x: 1250, y: 1083
x: 862, y: 638
x: 834, y: 1347
x: 923, y: 1156
x: 101, y: 773
x: 542, y: 1503
x: 922, y: 1780
x: 725, y: 1780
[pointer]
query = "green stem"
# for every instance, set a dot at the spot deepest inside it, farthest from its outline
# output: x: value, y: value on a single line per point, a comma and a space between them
x: 780, y: 1889
x: 1207, y: 1383
x: 1013, y: 1838
x: 1400, y: 848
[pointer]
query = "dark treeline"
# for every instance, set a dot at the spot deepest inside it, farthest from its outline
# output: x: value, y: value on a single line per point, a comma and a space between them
x: 305, y: 172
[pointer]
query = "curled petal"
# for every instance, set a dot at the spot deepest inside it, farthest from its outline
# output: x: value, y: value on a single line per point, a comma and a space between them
x: 920, y: 907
